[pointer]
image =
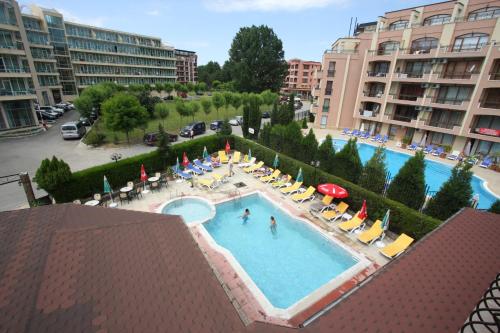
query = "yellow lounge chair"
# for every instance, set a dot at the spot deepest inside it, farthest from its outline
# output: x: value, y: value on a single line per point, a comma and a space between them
x: 273, y: 176
x: 254, y: 167
x: 236, y: 157
x: 321, y: 206
x: 223, y: 157
x: 397, y: 247
x: 371, y: 235
x: 219, y: 178
x: 281, y: 182
x: 209, y: 183
x: 353, y: 224
x: 332, y: 215
x: 245, y: 159
x: 307, y: 195
x: 291, y: 189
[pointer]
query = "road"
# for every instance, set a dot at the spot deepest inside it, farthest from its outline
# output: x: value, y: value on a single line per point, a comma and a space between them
x: 25, y: 155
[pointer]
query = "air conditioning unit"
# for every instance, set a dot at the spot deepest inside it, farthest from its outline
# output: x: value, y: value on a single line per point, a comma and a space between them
x: 425, y: 85
x: 435, y: 86
x: 443, y: 61
x: 435, y: 61
x: 418, y: 108
x: 428, y: 109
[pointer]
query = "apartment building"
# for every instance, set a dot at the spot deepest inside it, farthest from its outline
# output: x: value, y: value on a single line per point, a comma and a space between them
x: 186, y: 63
x: 300, y: 77
x: 430, y: 74
x: 45, y: 59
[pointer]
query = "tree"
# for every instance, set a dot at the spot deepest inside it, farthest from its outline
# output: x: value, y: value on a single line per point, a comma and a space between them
x: 159, y: 87
x: 206, y: 104
x: 163, y: 145
x: 275, y: 117
x: 201, y: 87
x: 168, y: 87
x: 252, y: 117
x: 194, y: 108
x: 236, y: 101
x: 453, y: 195
x: 84, y: 104
x: 216, y: 84
x: 209, y: 73
x: 52, y: 174
x: 347, y: 163
x: 326, y: 153
x: 94, y: 96
x: 226, y: 128
x: 290, y: 115
x: 190, y: 86
x: 277, y: 138
x: 309, y: 147
x: 218, y: 101
x: 408, y: 186
x: 495, y: 207
x: 292, y: 140
x: 304, y: 123
x: 124, y: 113
x: 268, y: 97
x: 374, y: 172
x: 162, y: 111
x: 265, y: 135
x: 228, y: 96
x: 181, y: 109
x: 256, y: 59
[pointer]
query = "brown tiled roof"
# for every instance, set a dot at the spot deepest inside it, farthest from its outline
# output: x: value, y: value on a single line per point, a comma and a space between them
x: 73, y: 268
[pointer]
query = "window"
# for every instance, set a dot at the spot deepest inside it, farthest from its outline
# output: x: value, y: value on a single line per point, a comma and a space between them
x: 417, y: 68
x: 6, y: 40
x: 306, y: 66
x: 331, y: 69
x: 7, y: 14
x: 304, y: 80
x: 398, y: 25
x: 462, y: 69
x: 329, y: 86
x: 445, y: 119
x: 19, y: 114
x: 326, y: 105
x: 323, y: 121
x: 453, y: 94
x: 492, y: 122
x: 387, y: 47
x: 437, y: 19
x: 470, y: 42
x: 441, y: 139
x: 484, y: 13
x: 54, y: 21
x: 424, y: 45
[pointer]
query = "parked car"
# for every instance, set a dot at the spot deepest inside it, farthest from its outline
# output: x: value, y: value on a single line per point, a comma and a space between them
x: 42, y: 115
x: 266, y: 115
x: 216, y: 125
x: 239, y: 119
x: 86, y: 121
x: 49, y: 111
x: 196, y: 127
x: 52, y: 109
x: 234, y: 122
x: 65, y: 106
x: 72, y: 130
x: 151, y: 139
x: 94, y: 115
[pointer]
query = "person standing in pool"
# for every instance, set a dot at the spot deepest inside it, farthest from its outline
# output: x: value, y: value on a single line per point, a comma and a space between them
x: 273, y: 225
x: 245, y: 215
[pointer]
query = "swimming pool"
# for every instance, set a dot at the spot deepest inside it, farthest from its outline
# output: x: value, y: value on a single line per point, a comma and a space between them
x: 194, y: 210
x: 285, y: 266
x: 435, y: 173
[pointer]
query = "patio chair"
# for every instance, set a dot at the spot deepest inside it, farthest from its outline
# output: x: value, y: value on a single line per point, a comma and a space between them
x: 281, y: 182
x: 292, y: 188
x: 371, y: 235
x: 365, y: 136
x: 413, y: 146
x: 334, y: 214
x: 271, y: 177
x: 194, y: 169
x: 319, y: 207
x: 486, y: 163
x: 254, y: 167
x: 428, y: 149
x: 247, y: 164
x: 438, y: 151
x: 346, y: 131
x: 236, y: 157
x: 208, y: 183
x: 182, y: 175
x: 353, y: 224
x: 124, y: 196
x: 307, y: 195
x: 394, y: 249
x: 202, y: 166
x: 77, y: 201
x: 376, y: 138
x: 163, y: 180
x: 98, y: 197
x: 220, y: 178
x: 223, y: 157
x: 130, y: 184
x: 154, y: 186
x: 384, y: 139
x: 455, y: 155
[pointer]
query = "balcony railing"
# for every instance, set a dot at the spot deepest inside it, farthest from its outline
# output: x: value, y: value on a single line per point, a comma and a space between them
x: 441, y: 124
x: 403, y: 118
x: 330, y: 73
x: 457, y: 75
x: 376, y: 94
x: 489, y: 104
x: 452, y: 101
x: 495, y: 76
x: 345, y: 51
x: 17, y: 45
x: 368, y: 113
x: 464, y: 47
x: 406, y: 97
x: 328, y: 92
x: 381, y: 52
x: 4, y: 92
x: 14, y: 70
x: 410, y: 75
x: 377, y: 74
x: 414, y: 50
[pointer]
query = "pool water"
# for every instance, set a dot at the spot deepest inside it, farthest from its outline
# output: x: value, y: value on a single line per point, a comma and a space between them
x: 286, y: 265
x: 435, y: 173
x: 191, y: 209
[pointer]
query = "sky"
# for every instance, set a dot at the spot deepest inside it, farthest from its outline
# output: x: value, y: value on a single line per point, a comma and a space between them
x: 306, y: 27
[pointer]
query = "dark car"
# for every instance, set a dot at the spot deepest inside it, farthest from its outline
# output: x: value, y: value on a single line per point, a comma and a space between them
x: 93, y: 115
x: 86, y: 121
x: 216, y: 125
x: 151, y: 139
x: 196, y: 127
x: 266, y: 115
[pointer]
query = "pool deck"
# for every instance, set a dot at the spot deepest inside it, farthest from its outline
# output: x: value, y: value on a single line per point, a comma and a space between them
x: 491, y: 177
x: 238, y: 292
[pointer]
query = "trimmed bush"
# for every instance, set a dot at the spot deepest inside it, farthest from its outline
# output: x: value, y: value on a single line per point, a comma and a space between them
x: 346, y: 163
x: 94, y: 138
x: 495, y: 207
x: 374, y: 172
x: 403, y: 219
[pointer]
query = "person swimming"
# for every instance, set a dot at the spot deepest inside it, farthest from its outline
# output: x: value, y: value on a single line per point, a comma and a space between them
x: 245, y: 215
x: 273, y: 224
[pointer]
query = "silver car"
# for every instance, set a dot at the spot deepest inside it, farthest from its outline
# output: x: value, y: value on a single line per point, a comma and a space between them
x: 73, y: 130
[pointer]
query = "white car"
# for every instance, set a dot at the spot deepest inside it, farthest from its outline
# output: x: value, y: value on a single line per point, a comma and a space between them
x: 234, y: 122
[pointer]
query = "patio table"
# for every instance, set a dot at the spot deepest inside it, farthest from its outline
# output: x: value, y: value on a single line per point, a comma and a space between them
x: 126, y: 189
x: 92, y: 203
x: 153, y: 179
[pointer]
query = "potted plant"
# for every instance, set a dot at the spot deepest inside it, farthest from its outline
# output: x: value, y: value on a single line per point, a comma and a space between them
x: 170, y: 174
x: 405, y: 142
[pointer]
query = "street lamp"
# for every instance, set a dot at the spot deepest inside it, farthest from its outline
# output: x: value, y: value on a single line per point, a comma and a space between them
x: 315, y: 164
x: 116, y: 157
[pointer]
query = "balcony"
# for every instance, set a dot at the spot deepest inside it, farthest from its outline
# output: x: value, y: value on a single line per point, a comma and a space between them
x: 450, y: 103
x: 328, y: 92
x: 473, y: 50
x: 401, y: 120
x: 488, y: 134
x: 369, y: 114
x: 375, y: 94
x: 405, y: 99
x: 7, y: 95
x: 411, y: 76
x: 442, y: 127
x: 413, y: 53
x: 494, y: 76
x: 330, y: 73
x: 14, y: 72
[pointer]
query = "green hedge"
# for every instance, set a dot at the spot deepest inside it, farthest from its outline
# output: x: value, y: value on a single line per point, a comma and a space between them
x: 403, y: 219
x: 85, y: 183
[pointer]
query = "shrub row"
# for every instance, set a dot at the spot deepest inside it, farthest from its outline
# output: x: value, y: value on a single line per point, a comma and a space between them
x: 85, y: 183
x: 403, y: 219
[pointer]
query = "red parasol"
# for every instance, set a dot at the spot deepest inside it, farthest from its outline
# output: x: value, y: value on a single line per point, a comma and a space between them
x: 144, y: 176
x: 363, y: 214
x: 185, y: 160
x: 228, y: 147
x: 333, y: 190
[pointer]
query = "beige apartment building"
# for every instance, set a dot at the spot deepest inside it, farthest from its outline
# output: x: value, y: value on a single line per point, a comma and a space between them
x: 430, y: 74
x: 300, y: 77
x: 186, y: 66
x: 45, y: 59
